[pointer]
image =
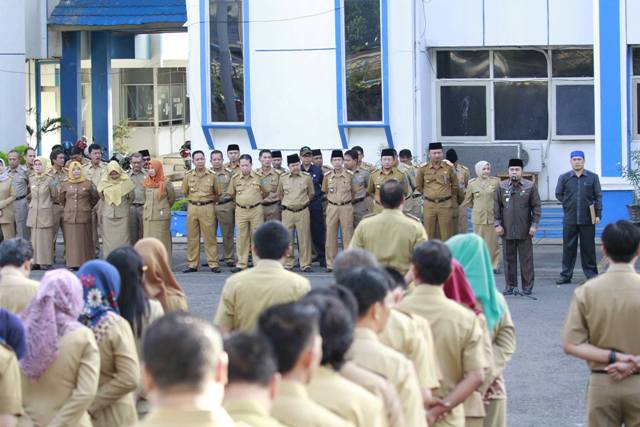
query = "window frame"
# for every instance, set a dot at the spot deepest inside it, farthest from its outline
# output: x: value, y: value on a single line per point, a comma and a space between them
x: 567, y: 81
x: 125, y: 109
x: 635, y: 82
x: 489, y: 114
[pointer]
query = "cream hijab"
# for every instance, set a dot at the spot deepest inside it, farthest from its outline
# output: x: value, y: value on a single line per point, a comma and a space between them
x: 115, y: 190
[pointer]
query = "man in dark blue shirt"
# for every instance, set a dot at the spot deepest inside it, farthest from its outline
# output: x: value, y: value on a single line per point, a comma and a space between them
x: 315, y: 206
x: 579, y: 192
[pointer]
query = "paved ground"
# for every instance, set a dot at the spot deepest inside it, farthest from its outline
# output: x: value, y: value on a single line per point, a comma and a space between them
x: 545, y: 386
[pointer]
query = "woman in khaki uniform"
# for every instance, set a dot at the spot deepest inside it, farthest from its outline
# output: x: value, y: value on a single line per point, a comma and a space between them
x: 116, y: 190
x: 61, y: 369
x: 7, y: 197
x: 114, y: 404
x: 78, y: 196
x: 479, y: 197
x: 158, y: 199
x: 40, y: 218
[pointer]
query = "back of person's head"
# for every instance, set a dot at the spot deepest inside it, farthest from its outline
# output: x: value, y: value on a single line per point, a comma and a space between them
x: 290, y: 328
x: 620, y: 240
x: 251, y: 359
x: 181, y: 351
x: 391, y: 194
x: 271, y: 240
x: 432, y: 262
x: 343, y: 294
x: 350, y: 258
x: 15, y: 252
x: 368, y: 285
x: 397, y: 279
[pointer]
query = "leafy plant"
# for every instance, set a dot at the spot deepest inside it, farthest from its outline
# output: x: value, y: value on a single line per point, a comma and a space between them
x: 632, y: 174
x: 180, y: 205
x: 121, y: 133
x: 49, y: 125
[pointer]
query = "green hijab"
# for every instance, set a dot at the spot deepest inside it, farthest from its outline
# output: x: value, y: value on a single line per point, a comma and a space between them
x: 471, y: 252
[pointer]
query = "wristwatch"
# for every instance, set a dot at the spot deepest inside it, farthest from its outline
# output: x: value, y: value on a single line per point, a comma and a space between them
x: 612, y: 357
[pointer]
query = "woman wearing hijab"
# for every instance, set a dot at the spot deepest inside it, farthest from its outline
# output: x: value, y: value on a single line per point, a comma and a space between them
x: 40, y: 218
x: 471, y: 251
x: 479, y: 197
x: 12, y: 348
x: 457, y: 288
x: 7, y: 197
x: 113, y: 405
x: 116, y: 189
x: 61, y: 368
x: 159, y: 281
x: 78, y: 196
x: 158, y: 199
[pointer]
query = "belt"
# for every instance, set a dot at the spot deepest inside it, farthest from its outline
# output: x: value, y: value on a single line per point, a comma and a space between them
x: 57, y: 204
x: 415, y: 196
x: 21, y: 197
x: 296, y: 210
x: 225, y: 202
x: 338, y: 204
x: 270, y: 203
x: 437, y: 200
x: 208, y: 202
x: 137, y: 204
x: 356, y: 201
x: 248, y: 207
x: 602, y: 371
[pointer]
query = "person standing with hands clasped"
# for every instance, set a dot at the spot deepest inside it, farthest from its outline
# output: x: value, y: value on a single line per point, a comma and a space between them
x: 579, y: 192
x: 517, y: 213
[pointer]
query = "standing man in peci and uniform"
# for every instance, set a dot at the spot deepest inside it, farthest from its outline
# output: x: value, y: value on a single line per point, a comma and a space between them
x: 233, y: 153
x: 276, y: 161
x: 136, y: 210
x: 385, y: 173
x: 315, y: 206
x: 225, y: 208
x: 412, y: 203
x: 361, y: 203
x: 270, y: 178
x: 93, y: 171
x: 462, y: 172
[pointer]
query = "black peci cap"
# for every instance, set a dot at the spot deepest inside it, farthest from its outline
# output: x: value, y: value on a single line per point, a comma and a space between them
x: 276, y: 154
x: 293, y: 158
x: 233, y: 147
x: 337, y: 154
x: 516, y: 163
x: 435, y: 146
x: 388, y: 152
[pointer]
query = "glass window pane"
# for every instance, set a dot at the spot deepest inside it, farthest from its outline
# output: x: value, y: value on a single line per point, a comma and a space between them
x: 137, y: 76
x: 463, y: 64
x: 171, y: 75
x: 521, y: 111
x: 463, y: 110
x: 140, y: 104
x: 164, y: 103
x: 227, y: 64
x: 572, y: 63
x: 519, y: 64
x: 635, y: 52
x: 177, y: 103
x: 363, y: 60
x: 574, y: 110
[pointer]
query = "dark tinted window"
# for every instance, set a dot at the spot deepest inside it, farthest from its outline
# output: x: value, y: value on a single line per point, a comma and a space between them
x: 463, y: 110
x: 519, y: 64
x: 574, y: 110
x: 521, y: 110
x: 635, y: 53
x: 572, y: 63
x: 461, y: 64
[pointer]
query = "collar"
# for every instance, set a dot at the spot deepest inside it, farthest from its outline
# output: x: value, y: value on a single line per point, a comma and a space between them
x: 621, y: 268
x: 396, y: 211
x: 293, y: 389
x: 584, y: 173
x: 270, y: 171
x: 434, y: 291
x: 251, y: 175
x: 10, y: 270
x: 365, y: 334
x: 433, y: 166
x: 140, y: 172
x: 269, y: 263
x: 324, y: 371
x: 244, y: 406
x: 178, y: 416
x: 200, y: 173
x: 391, y: 171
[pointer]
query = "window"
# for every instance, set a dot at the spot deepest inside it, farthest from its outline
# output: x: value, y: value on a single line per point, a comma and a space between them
x: 463, y: 64
x: 463, y: 110
x: 363, y: 60
x: 173, y: 108
x: 521, y: 111
x: 635, y: 91
x: 137, y: 95
x: 226, y: 61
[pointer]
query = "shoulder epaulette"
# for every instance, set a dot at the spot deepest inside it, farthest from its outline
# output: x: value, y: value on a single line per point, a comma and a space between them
x: 349, y: 172
x: 278, y: 171
x: 423, y: 164
x: 305, y: 173
x: 408, y: 215
x: 258, y: 172
x: 472, y: 180
x: 372, y: 214
x: 448, y: 163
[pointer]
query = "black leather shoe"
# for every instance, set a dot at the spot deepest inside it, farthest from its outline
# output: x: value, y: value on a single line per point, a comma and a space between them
x: 236, y: 269
x: 497, y: 271
x: 329, y: 270
x: 190, y: 270
x: 527, y: 292
x: 563, y: 281
x: 307, y: 270
x: 216, y: 270
x: 204, y: 264
x: 508, y: 291
x: 230, y: 264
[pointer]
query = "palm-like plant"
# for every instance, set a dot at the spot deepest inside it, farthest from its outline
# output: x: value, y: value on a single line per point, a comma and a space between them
x: 49, y: 125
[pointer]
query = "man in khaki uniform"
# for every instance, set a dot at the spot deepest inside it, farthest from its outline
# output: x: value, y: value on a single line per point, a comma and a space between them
x: 184, y: 366
x: 253, y: 380
x: 463, y: 174
x: 387, y: 172
x: 136, y: 210
x: 391, y: 235
x: 601, y: 328
x: 339, y: 186
x: 248, y: 191
x: 225, y: 208
x: 247, y: 294
x: 270, y: 178
x: 362, y: 204
x: 10, y: 386
x: 16, y: 289
x: 276, y: 161
x: 361, y: 163
x: 296, y: 191
x: 200, y: 188
x: 93, y: 172
x: 438, y: 183
x: 233, y: 153
x: 457, y: 332
x: 58, y: 174
x: 413, y: 202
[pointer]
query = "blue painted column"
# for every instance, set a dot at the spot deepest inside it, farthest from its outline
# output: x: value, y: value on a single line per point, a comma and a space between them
x: 69, y: 84
x: 611, y: 85
x: 101, y: 88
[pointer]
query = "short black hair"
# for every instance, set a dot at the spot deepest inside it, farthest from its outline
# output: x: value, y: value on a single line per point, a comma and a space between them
x: 351, y: 258
x: 193, y: 155
x: 94, y: 147
x: 29, y: 149
x: 336, y: 327
x: 15, y: 252
x: 358, y: 149
x: 391, y: 194
x: 621, y: 239
x: 369, y: 286
x: 271, y: 239
x: 432, y: 260
x: 75, y: 151
x: 55, y: 153
x: 352, y: 153
x: 137, y: 155
x: 343, y: 294
x: 251, y: 359
x: 216, y: 152
x: 290, y: 328
x: 180, y: 349
x: 246, y: 157
x: 397, y: 279
x: 405, y: 154
x: 263, y: 151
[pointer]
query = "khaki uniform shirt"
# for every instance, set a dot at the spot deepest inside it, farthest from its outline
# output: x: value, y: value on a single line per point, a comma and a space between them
x: 339, y: 187
x: 439, y: 182
x: 368, y: 352
x: 41, y: 197
x: 158, y: 210
x: 59, y: 176
x: 247, y: 190
x: 503, y: 342
x: 94, y: 173
x: 328, y: 388
x: 458, y: 336
x: 368, y: 167
x: 19, y: 180
x: 16, y: 291
x: 248, y: 412
x: 463, y: 175
x: 248, y: 293
x: 233, y: 167
x: 270, y: 181
x: 295, y: 191
x: 172, y: 417
x: 138, y: 190
x: 223, y: 179
x: 294, y: 408
x: 78, y: 200
x: 10, y: 387
x: 200, y: 186
x: 7, y: 197
x: 379, y: 177
x: 603, y: 312
x: 479, y: 197
x: 361, y: 181
x: 391, y: 236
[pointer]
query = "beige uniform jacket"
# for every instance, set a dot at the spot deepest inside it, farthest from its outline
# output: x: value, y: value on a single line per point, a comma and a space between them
x: 138, y: 187
x: 361, y: 181
x: 270, y: 180
x: 78, y: 200
x: 16, y: 291
x: 249, y: 413
x: 7, y: 197
x: 43, y: 194
x: 295, y: 191
x: 339, y: 187
x: 479, y: 197
x: 368, y: 351
x: 10, y: 387
x: 503, y: 344
x: 64, y: 392
x: 294, y: 408
x: 223, y: 179
x: 463, y: 174
x: 328, y: 388
x: 438, y: 183
x: 379, y: 177
x: 172, y: 417
x: 158, y: 210
x: 248, y: 190
x: 247, y: 293
x: 233, y: 167
x: 94, y: 173
x: 200, y: 186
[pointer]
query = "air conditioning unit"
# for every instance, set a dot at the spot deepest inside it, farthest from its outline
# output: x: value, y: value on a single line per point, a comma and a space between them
x: 532, y: 154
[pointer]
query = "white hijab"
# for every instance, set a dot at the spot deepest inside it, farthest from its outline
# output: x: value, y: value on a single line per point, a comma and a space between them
x: 479, y: 166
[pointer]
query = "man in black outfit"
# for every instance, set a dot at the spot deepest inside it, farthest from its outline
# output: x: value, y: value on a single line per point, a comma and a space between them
x: 318, y: 231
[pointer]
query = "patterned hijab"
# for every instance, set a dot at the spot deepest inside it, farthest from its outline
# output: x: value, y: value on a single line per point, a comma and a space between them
x: 70, y: 176
x: 12, y: 332
x: 114, y: 190
x: 5, y: 174
x: 101, y: 287
x: 158, y: 181
x: 51, y: 314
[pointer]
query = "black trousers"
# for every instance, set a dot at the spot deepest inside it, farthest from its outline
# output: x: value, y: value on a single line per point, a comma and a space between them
x: 571, y: 233
x: 513, y: 250
x: 318, y: 232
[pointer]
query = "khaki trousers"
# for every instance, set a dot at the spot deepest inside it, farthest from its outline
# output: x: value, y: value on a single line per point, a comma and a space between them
x: 613, y: 403
x: 96, y: 226
x: 298, y: 223
x: 21, y: 211
x: 58, y: 224
x: 272, y: 212
x: 8, y: 231
x: 338, y: 216
x: 496, y: 413
x: 360, y: 210
x: 463, y: 220
x: 488, y: 233
x: 247, y: 221
x: 136, y: 223
x: 442, y: 219
x: 412, y: 206
x: 200, y: 222
x: 225, y: 216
